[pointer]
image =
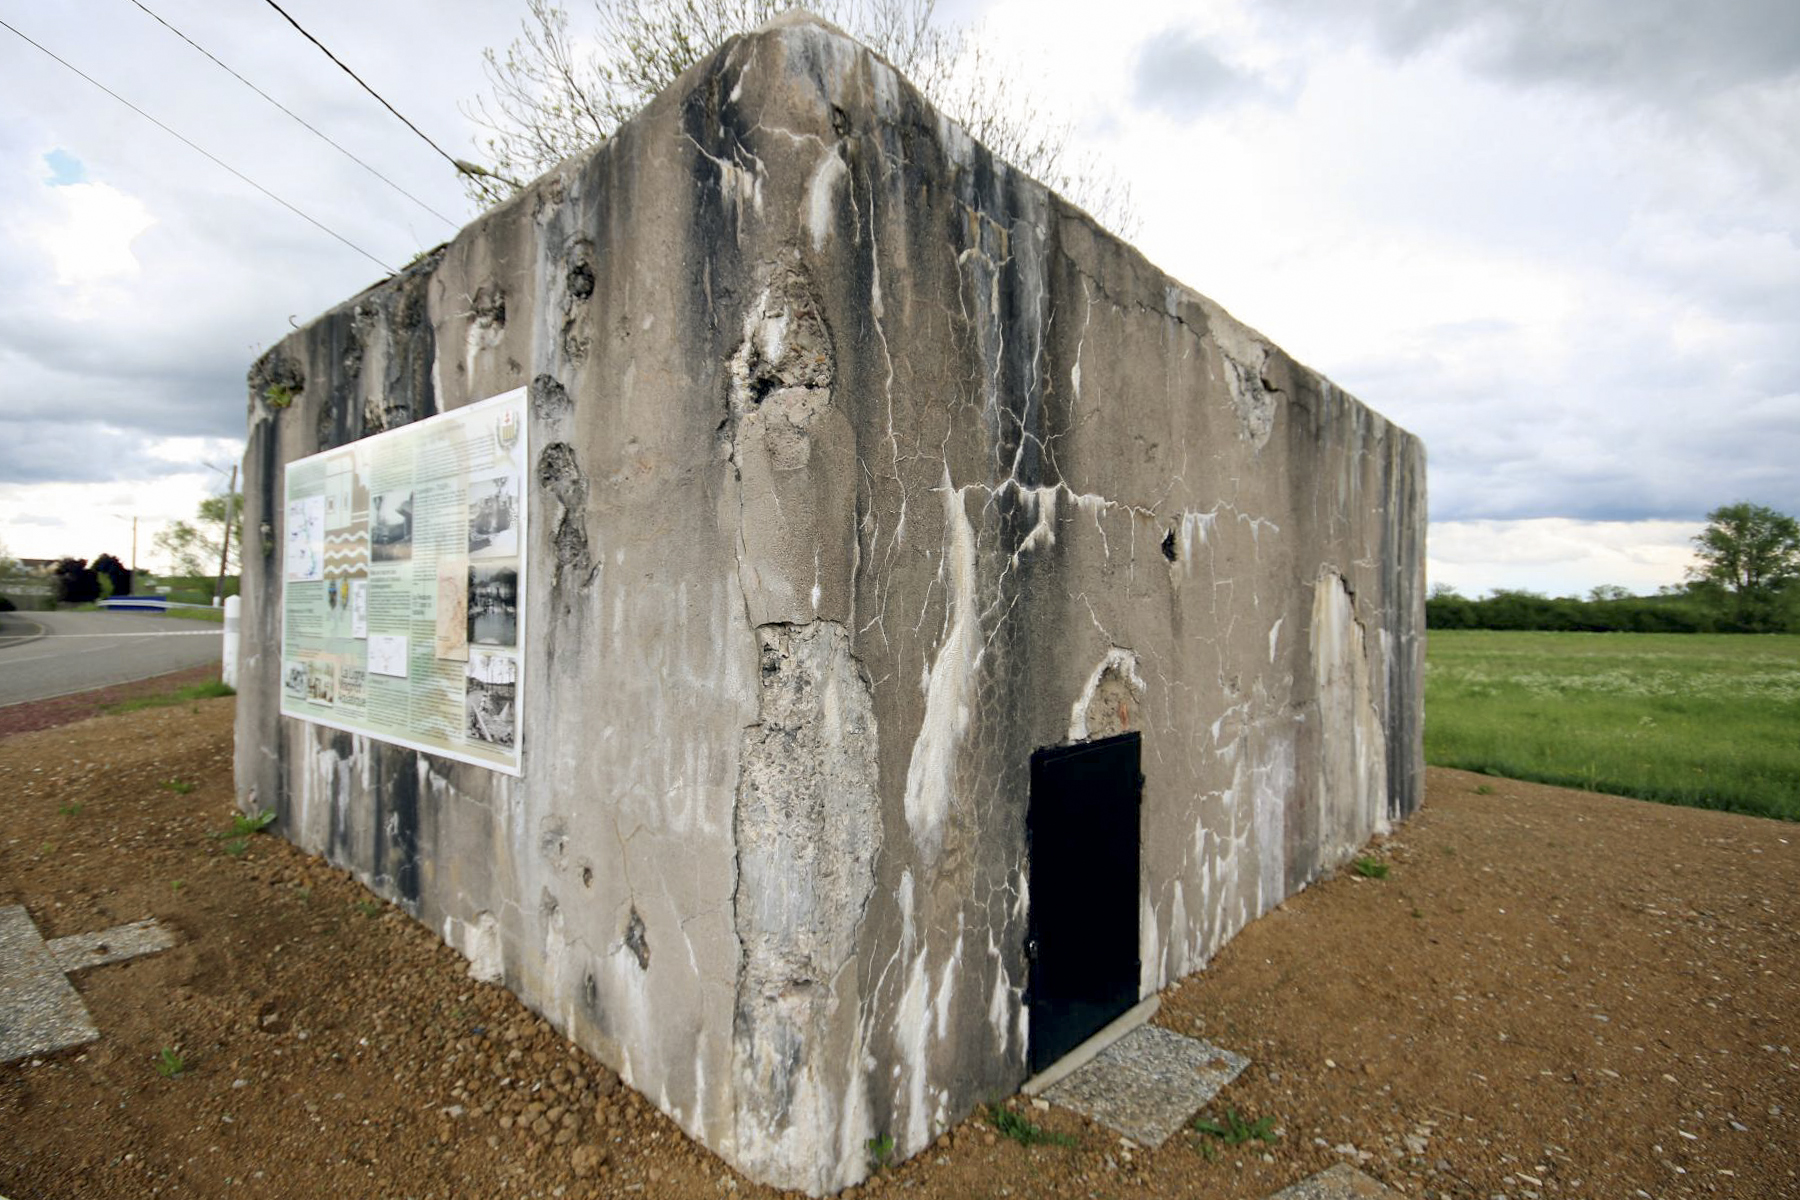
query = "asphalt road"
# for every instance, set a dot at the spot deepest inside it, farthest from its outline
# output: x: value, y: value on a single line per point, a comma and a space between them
x: 46, y: 654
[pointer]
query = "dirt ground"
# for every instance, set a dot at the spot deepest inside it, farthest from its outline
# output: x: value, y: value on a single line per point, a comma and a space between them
x: 1550, y: 994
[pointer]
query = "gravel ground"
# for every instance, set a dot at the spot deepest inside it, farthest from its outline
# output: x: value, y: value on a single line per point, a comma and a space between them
x: 1550, y: 994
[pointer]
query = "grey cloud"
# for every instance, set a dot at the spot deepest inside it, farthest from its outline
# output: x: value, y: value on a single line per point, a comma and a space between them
x: 1639, y: 430
x: 79, y: 452
x: 1180, y: 74
x: 1664, y: 49
x: 203, y: 398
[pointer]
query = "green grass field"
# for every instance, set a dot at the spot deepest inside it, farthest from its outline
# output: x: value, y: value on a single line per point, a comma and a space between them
x: 1710, y: 720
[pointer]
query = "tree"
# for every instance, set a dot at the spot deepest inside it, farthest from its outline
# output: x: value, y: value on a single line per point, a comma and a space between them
x: 193, y: 549
x: 548, y: 97
x: 114, y: 577
x: 1750, y: 553
x: 76, y: 582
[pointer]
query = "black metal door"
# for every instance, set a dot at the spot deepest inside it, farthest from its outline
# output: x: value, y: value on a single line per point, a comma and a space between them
x: 1082, y: 928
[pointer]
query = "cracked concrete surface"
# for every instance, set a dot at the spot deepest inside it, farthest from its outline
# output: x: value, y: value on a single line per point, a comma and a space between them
x: 824, y: 385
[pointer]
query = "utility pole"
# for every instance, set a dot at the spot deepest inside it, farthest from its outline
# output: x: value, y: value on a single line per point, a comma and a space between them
x: 224, y: 542
x: 134, y: 566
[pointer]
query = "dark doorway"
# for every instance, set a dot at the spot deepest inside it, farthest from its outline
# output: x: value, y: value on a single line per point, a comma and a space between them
x: 1082, y: 931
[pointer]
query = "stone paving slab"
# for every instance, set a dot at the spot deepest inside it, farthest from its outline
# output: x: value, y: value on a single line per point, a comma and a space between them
x: 1342, y: 1182
x: 1148, y: 1083
x: 39, y: 1010
x: 82, y: 950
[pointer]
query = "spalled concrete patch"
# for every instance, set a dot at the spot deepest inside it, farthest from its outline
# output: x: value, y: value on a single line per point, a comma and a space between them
x: 1342, y: 1182
x: 1148, y: 1083
x: 39, y: 1011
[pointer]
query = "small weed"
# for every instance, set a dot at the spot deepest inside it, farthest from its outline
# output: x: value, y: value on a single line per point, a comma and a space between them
x: 244, y: 826
x: 1484, y: 789
x: 180, y: 787
x: 1417, y: 915
x: 881, y: 1152
x: 1209, y: 1152
x: 70, y: 810
x: 1369, y: 868
x: 278, y: 395
x: 368, y: 908
x: 1236, y: 1131
x: 304, y: 892
x: 177, y: 884
x: 242, y: 829
x: 169, y: 1064
x: 1025, y: 1132
x: 47, y: 848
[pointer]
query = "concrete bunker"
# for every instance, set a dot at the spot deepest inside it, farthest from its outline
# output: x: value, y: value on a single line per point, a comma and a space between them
x: 856, y: 472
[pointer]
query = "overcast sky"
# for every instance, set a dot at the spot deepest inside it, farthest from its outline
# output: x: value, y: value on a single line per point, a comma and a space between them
x: 1555, y: 238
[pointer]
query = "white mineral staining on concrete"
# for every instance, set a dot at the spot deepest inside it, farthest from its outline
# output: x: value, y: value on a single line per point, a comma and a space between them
x: 1353, y: 786
x: 631, y: 1016
x: 941, y: 1006
x: 1040, y: 504
x: 1150, y: 963
x: 949, y: 683
x: 1087, y: 318
x: 821, y: 196
x: 957, y: 145
x: 1272, y: 783
x: 808, y: 829
x: 325, y: 798
x: 479, y: 941
x: 922, y: 1017
x: 912, y: 1034
x: 1002, y: 997
x: 740, y: 183
x: 1190, y: 534
x: 885, y: 85
x: 1177, y: 959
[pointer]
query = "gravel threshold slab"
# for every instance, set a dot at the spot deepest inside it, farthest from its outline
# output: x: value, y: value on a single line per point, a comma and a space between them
x: 1148, y: 1083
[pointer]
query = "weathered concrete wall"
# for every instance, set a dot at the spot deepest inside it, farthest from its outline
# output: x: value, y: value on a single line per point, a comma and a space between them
x: 865, y: 467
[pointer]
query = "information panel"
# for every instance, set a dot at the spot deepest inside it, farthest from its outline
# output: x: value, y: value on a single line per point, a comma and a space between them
x: 403, y: 594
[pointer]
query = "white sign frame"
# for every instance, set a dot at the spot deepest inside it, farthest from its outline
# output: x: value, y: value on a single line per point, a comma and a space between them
x: 349, y: 532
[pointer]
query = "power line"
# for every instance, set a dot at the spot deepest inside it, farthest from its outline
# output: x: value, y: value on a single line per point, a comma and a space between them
x: 200, y: 150
x: 365, y: 87
x: 290, y: 112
